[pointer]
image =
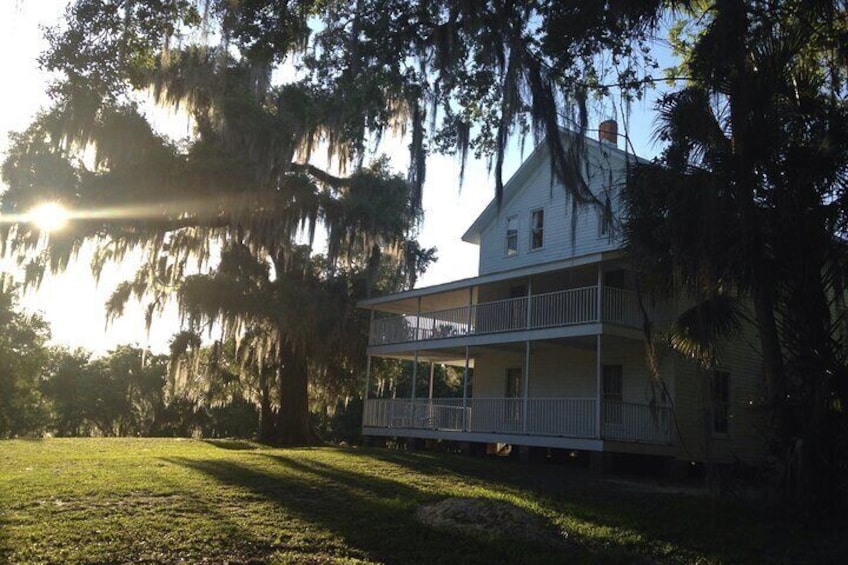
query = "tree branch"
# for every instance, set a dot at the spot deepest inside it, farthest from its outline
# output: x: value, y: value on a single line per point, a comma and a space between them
x: 320, y: 174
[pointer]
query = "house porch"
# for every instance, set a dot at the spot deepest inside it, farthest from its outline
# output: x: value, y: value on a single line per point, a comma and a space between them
x: 572, y: 393
x: 569, y: 423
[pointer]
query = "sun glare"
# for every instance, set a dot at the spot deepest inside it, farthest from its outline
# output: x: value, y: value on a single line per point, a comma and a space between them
x: 50, y: 216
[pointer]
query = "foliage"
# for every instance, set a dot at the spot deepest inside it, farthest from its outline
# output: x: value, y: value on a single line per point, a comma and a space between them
x: 470, y: 76
x: 71, y: 391
x: 243, y: 183
x: 749, y: 200
x: 392, y: 378
x: 23, y: 353
x: 119, y: 394
x: 128, y: 392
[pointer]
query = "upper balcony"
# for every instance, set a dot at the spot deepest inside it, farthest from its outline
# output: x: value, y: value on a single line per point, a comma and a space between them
x: 564, y: 308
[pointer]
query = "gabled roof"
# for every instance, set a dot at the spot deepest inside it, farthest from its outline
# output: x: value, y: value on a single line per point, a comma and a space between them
x: 519, y: 180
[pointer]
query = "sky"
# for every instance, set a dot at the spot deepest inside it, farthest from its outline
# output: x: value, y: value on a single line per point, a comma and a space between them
x: 73, y: 303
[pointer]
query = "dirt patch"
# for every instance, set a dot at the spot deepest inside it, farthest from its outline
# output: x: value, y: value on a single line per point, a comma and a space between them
x: 487, y: 517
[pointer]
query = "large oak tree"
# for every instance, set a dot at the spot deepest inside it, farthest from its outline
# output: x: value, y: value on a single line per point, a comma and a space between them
x: 244, y: 183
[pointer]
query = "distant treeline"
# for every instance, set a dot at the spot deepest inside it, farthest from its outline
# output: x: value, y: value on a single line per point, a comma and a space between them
x: 56, y: 391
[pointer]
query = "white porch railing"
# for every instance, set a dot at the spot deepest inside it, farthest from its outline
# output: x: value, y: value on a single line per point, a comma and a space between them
x: 625, y: 421
x: 570, y: 417
x: 560, y: 417
x: 441, y: 414
x: 622, y: 307
x: 567, y: 417
x: 564, y: 308
x: 554, y: 309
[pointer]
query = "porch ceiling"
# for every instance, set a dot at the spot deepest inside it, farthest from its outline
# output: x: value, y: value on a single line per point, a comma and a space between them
x: 580, y: 342
x: 454, y: 294
x: 429, y: 302
x: 455, y: 357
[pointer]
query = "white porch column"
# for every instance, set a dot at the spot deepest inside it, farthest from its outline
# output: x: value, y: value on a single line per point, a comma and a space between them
x: 465, y: 393
x: 529, y: 303
x: 600, y: 304
x: 367, y: 375
x: 599, y: 368
x: 470, y: 310
x: 367, y: 386
x: 368, y: 368
x: 430, y: 395
x: 525, y: 386
x: 412, y: 415
x: 418, y: 320
x: 414, y: 375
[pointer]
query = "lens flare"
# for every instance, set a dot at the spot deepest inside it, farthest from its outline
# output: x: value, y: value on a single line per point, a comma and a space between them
x: 50, y: 216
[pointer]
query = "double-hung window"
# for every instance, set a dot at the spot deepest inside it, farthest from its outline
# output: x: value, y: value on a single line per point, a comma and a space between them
x: 512, y: 235
x: 603, y: 225
x: 537, y: 228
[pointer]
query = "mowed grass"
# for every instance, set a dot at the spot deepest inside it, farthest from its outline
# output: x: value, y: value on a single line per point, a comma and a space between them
x: 187, y: 501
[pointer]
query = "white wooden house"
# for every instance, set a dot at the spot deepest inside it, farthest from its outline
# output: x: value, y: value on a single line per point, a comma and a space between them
x: 550, y: 334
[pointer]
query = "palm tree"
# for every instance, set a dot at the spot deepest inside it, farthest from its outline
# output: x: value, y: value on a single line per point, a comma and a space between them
x: 749, y: 202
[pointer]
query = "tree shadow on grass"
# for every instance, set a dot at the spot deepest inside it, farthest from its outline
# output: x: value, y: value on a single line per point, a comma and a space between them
x: 501, y: 478
x: 227, y: 541
x: 374, y: 516
x: 720, y: 528
x: 233, y: 444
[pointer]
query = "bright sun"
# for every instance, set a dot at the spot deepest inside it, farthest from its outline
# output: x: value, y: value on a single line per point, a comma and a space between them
x: 50, y: 216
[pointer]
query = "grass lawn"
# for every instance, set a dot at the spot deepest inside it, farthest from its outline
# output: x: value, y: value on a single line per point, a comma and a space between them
x: 187, y: 501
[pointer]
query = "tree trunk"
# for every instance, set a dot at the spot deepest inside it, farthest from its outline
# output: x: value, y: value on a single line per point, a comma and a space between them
x: 744, y: 175
x: 293, y: 417
x: 772, y: 353
x: 815, y: 364
x: 266, y: 413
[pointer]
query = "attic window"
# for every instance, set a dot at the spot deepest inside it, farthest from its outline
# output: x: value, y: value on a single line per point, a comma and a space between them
x: 512, y: 235
x: 537, y: 228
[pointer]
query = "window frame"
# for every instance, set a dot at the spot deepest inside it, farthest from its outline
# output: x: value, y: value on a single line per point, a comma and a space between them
x: 540, y: 229
x: 508, y: 250
x: 603, y: 227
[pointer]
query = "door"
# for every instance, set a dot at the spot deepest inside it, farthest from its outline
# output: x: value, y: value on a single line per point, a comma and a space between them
x: 612, y: 396
x: 518, y: 308
x: 512, y: 403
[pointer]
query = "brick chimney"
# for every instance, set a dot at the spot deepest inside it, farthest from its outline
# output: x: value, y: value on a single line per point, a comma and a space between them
x: 608, y: 131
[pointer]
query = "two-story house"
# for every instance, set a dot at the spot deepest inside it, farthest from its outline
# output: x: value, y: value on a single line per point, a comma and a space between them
x: 550, y: 335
